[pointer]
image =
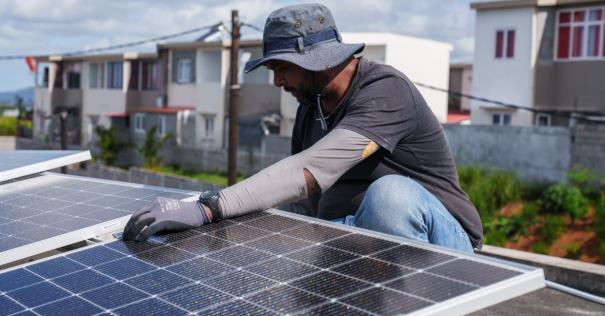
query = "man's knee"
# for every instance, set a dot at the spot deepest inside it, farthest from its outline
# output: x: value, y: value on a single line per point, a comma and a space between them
x: 394, y: 190
x: 394, y: 197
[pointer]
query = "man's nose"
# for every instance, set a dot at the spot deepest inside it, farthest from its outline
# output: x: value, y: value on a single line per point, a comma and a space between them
x: 278, y: 79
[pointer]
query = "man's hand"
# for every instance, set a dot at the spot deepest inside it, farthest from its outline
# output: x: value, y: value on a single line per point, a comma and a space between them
x: 167, y: 215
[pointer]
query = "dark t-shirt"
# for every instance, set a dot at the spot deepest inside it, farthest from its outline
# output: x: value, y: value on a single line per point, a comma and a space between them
x: 384, y: 106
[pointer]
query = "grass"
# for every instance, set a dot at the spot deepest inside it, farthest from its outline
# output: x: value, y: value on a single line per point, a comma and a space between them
x: 210, y: 177
x: 8, y: 125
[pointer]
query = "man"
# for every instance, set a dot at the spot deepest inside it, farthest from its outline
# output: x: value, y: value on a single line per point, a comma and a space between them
x: 366, y: 149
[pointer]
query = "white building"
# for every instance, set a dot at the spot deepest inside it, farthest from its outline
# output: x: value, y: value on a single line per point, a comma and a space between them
x: 548, y: 55
x: 423, y: 61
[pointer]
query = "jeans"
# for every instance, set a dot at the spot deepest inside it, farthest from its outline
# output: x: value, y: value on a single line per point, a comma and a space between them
x: 398, y: 205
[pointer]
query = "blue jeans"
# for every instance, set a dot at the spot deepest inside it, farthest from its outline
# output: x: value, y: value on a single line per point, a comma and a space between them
x: 398, y: 205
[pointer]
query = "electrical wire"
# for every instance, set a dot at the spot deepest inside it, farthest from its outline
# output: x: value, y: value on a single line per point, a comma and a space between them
x: 114, y: 47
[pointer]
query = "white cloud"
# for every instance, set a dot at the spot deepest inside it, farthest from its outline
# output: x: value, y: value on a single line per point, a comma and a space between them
x: 41, y: 26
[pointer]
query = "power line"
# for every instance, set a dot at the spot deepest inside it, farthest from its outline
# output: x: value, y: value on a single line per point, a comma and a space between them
x: 113, y: 47
x: 518, y: 107
x: 501, y: 103
x: 254, y: 27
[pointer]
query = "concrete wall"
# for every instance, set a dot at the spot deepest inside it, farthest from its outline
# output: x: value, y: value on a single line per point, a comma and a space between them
x: 533, y: 153
x: 137, y: 175
x: 588, y: 147
x: 8, y: 142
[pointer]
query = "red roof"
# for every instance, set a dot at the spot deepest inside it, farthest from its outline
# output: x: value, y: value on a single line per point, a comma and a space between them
x: 458, y: 116
x: 117, y: 114
x: 166, y: 110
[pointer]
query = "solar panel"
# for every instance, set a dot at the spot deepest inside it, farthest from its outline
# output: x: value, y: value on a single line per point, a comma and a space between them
x: 267, y: 263
x: 49, y: 211
x: 19, y: 163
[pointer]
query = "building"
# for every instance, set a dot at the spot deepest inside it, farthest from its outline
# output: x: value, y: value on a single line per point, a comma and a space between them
x: 461, y: 79
x: 423, y: 61
x: 548, y: 55
x: 92, y: 91
x: 198, y: 77
x: 185, y: 87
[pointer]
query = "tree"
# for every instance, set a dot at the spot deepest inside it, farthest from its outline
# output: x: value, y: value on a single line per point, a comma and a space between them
x: 111, y: 144
x: 150, y: 150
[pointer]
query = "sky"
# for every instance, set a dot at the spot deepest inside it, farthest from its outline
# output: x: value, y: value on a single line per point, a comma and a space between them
x: 29, y: 27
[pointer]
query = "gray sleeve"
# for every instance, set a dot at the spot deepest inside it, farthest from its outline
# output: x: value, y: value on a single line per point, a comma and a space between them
x: 284, y: 182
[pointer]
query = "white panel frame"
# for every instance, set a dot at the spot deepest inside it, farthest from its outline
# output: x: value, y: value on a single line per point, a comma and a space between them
x: 108, y: 227
x: 71, y: 157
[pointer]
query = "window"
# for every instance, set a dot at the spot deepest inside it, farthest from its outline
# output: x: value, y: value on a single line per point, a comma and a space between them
x: 161, y: 130
x: 96, y: 75
x: 542, y: 119
x: 505, y: 44
x: 134, y: 75
x: 183, y: 66
x: 581, y: 34
x: 114, y: 75
x: 73, y: 80
x: 139, y: 123
x: 150, y: 76
x: 501, y: 118
x: 183, y: 72
x: 209, y: 126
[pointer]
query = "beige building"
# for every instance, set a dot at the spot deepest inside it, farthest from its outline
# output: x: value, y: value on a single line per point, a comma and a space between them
x: 547, y: 55
x: 92, y: 89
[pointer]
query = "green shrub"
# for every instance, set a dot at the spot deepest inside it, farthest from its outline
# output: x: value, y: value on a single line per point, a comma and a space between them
x: 489, y: 190
x: 563, y: 198
x: 8, y: 126
x: 602, y: 248
x: 573, y: 250
x: 150, y: 150
x: 526, y: 219
x: 111, y: 144
x: 599, y: 219
x: 540, y: 247
x: 586, y: 180
x: 552, y: 228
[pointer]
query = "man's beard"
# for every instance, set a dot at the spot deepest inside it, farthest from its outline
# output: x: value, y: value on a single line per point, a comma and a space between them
x: 304, y: 97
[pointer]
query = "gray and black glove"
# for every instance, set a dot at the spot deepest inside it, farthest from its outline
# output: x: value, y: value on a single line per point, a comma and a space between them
x: 165, y: 215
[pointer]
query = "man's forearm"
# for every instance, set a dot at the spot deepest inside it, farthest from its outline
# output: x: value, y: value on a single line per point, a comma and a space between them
x: 293, y: 178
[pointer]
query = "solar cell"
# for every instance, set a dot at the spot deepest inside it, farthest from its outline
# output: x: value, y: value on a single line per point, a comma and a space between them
x: 209, y: 272
x: 49, y: 211
x: 19, y: 163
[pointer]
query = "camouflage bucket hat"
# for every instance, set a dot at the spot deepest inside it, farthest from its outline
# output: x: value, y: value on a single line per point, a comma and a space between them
x: 305, y: 35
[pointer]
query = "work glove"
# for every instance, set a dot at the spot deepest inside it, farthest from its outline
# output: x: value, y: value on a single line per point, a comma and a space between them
x: 165, y: 215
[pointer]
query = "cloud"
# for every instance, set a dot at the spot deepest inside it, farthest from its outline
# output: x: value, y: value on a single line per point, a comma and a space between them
x: 42, y: 26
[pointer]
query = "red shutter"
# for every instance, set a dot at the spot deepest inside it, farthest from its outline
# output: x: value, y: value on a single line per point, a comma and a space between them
x: 564, y: 17
x: 579, y: 16
x: 563, y: 49
x: 499, y: 44
x: 578, y: 34
x: 510, y: 44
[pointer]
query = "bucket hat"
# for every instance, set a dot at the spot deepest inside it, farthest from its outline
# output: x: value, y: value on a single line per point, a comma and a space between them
x: 305, y: 35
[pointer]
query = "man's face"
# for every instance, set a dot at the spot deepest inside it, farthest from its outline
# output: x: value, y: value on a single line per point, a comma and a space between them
x: 293, y: 79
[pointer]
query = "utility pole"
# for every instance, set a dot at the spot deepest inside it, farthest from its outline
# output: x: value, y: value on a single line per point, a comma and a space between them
x: 63, y: 118
x: 233, y: 98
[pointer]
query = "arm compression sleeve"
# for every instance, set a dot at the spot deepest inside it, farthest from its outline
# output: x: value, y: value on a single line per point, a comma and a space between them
x: 284, y: 182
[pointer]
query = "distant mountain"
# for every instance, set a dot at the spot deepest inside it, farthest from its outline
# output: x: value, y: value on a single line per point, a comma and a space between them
x: 27, y: 94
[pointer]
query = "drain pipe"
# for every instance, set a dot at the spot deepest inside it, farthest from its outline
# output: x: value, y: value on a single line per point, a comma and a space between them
x: 575, y: 292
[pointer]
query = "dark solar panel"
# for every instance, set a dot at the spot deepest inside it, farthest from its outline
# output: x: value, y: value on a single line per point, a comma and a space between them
x: 51, y: 205
x: 219, y: 272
